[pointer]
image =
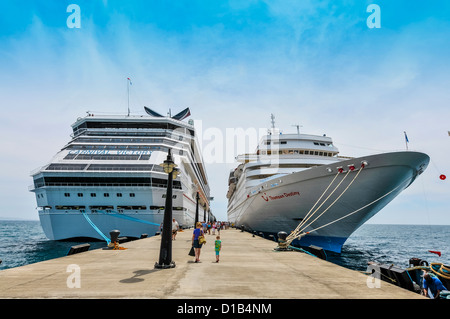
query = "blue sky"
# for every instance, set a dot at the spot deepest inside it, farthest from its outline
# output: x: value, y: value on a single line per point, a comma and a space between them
x: 312, y: 63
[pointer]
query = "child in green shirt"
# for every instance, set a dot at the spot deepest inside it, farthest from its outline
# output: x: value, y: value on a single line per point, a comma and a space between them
x: 217, y: 247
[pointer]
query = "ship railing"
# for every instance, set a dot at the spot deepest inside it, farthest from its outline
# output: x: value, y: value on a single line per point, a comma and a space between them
x: 36, y: 170
x: 140, y: 131
x: 97, y: 184
x: 160, y: 185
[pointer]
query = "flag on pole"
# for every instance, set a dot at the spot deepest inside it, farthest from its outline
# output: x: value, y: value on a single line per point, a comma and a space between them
x: 406, y: 140
x: 130, y: 81
x: 435, y: 252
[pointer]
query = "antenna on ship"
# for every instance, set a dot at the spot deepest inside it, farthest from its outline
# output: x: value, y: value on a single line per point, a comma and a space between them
x: 128, y: 93
x: 273, y: 130
x: 298, y: 128
x: 272, y: 119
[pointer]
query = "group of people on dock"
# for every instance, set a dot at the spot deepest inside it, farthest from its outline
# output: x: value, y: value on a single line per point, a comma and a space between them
x: 203, y: 228
x: 208, y: 227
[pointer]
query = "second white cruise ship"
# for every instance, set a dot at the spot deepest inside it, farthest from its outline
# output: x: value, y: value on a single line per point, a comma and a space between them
x: 109, y: 177
x: 298, y: 183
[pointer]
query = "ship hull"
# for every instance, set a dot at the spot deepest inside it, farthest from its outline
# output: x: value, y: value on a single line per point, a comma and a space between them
x: 55, y: 225
x: 281, y: 204
x: 72, y: 224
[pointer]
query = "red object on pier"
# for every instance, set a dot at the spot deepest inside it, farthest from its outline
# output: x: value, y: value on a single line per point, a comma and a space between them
x: 442, y: 177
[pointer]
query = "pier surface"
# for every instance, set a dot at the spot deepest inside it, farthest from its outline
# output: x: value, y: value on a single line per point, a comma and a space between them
x: 249, y: 267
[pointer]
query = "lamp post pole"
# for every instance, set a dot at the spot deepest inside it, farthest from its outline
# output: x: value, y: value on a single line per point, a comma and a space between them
x: 165, y: 252
x: 197, y: 197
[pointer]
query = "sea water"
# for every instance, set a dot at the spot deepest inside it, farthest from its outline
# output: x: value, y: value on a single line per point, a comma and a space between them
x: 394, y: 244
x: 24, y: 242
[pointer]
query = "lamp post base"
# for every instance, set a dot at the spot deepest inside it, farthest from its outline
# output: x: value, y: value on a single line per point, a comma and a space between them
x: 165, y: 266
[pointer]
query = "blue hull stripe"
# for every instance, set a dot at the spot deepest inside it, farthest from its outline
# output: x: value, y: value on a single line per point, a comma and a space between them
x: 333, y: 244
x: 328, y: 243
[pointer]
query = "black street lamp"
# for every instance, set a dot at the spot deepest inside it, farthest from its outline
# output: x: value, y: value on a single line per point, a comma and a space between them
x: 197, y: 197
x: 165, y: 252
x: 204, y: 214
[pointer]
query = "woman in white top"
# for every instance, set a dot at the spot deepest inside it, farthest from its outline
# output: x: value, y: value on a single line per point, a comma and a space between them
x: 175, y: 227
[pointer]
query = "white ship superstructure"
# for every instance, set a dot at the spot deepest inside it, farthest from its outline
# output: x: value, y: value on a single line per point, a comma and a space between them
x: 300, y: 179
x: 110, y: 173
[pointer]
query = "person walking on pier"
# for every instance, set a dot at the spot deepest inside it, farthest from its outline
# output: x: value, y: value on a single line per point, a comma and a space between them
x: 175, y: 228
x: 198, y: 231
x: 218, y: 226
x: 217, y: 247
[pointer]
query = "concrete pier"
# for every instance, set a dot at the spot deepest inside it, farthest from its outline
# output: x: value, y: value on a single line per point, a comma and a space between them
x: 249, y: 267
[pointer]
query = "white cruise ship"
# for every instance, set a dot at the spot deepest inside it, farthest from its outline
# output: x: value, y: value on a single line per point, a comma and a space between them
x: 299, y: 184
x: 108, y: 177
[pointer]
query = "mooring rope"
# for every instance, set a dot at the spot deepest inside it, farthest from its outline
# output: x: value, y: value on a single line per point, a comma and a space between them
x: 348, y: 186
x: 297, y: 233
x: 440, y: 269
x: 116, y: 214
x: 309, y: 215
x: 96, y: 228
x: 357, y: 210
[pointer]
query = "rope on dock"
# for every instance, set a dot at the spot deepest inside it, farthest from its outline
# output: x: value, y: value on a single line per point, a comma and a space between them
x: 302, y: 250
x: 309, y: 215
x: 440, y: 270
x: 359, y: 209
x: 298, y: 232
x: 96, y: 228
x: 116, y: 214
